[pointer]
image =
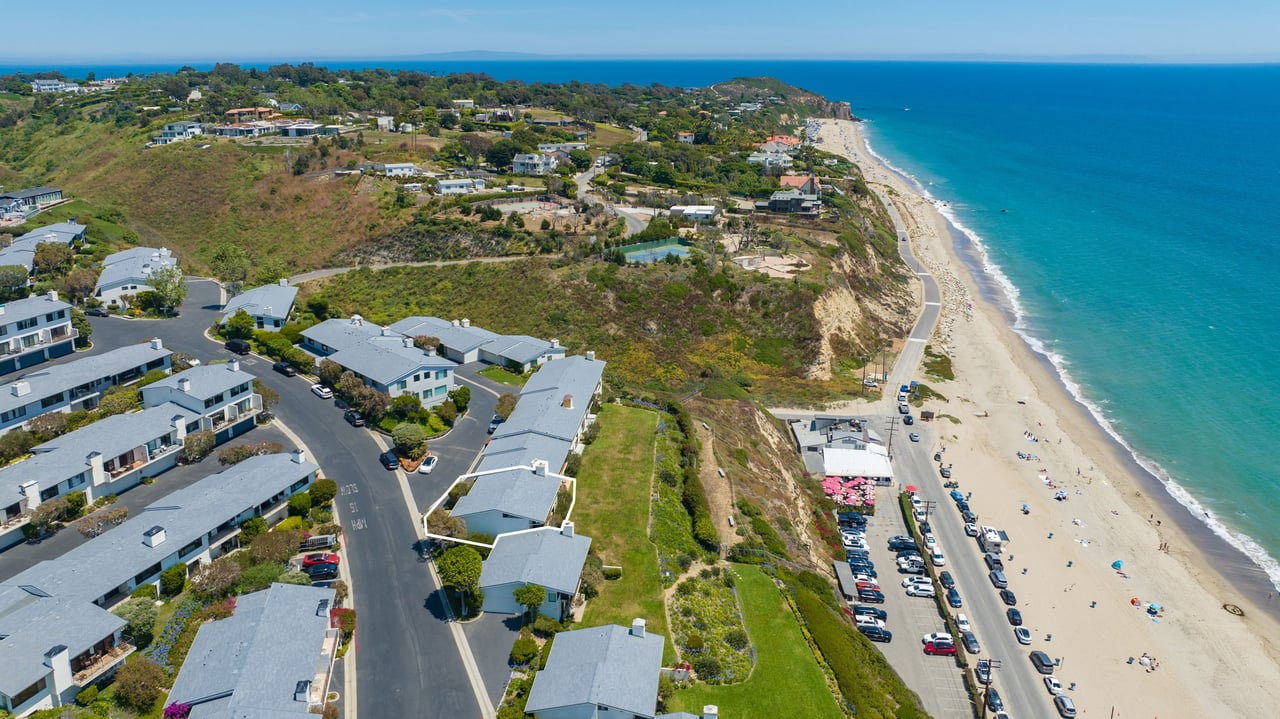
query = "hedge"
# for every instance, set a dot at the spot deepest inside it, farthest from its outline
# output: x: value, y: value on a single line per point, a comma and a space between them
x: 692, y: 496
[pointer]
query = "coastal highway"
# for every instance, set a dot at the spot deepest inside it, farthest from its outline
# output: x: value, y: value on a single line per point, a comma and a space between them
x: 913, y: 349
x: 1019, y: 684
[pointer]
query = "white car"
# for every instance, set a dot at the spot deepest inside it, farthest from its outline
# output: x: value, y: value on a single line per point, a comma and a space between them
x: 962, y: 622
x: 1053, y: 685
x: 865, y: 620
x: 428, y: 464
x: 971, y: 529
x: 929, y: 541
x: 920, y: 590
x: 936, y: 557
x: 321, y: 391
x: 908, y: 581
x: 1023, y: 635
x: 936, y: 637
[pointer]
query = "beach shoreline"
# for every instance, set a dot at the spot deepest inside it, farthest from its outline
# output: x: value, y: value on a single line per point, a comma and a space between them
x: 1211, y: 659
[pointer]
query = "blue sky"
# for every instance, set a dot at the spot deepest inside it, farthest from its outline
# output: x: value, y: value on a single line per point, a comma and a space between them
x: 237, y: 30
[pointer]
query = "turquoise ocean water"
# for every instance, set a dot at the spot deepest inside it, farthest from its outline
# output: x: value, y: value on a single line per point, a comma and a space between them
x: 1128, y: 218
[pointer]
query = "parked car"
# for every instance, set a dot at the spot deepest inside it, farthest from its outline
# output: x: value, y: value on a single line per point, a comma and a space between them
x: 863, y: 610
x: 1066, y: 708
x: 870, y: 596
x: 936, y: 637
x: 1008, y: 597
x: 953, y: 599
x: 983, y: 671
x: 875, y: 634
x: 994, y: 702
x: 239, y: 347
x: 1022, y: 635
x: 320, y: 558
x: 971, y: 529
x: 904, y: 408
x: 945, y: 472
x: 389, y: 460
x: 998, y: 579
x: 920, y: 590
x: 948, y: 582
x: 321, y: 571
x: 912, y: 581
x: 1041, y: 662
x: 354, y: 418
x: 956, y: 496
x: 321, y: 391
x: 969, y: 517
x: 970, y: 642
x: 1015, y: 617
x: 993, y: 561
x: 908, y: 419
x: 285, y: 369
x: 1053, y: 685
x: 493, y: 423
x: 865, y: 621
x: 910, y: 568
x: 428, y: 464
x: 97, y: 312
x: 940, y: 650
x: 937, y: 558
x: 962, y: 622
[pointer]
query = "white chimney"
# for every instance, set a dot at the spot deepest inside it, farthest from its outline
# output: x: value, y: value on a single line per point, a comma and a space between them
x: 97, y: 473
x: 357, y: 320
x: 284, y: 281
x: 233, y: 366
x: 157, y: 343
x: 637, y: 627
x: 710, y: 711
x: 566, y: 528
x: 457, y: 323
x: 299, y: 456
x: 466, y: 322
x: 407, y: 342
x: 302, y: 691
x: 1, y: 308
x: 184, y: 384
x: 21, y: 388
x: 540, y: 467
x: 30, y: 490
x: 555, y: 343
x: 591, y: 356
x: 59, y: 660
x: 386, y: 332
x: 153, y: 537
x: 567, y: 402
x: 53, y: 295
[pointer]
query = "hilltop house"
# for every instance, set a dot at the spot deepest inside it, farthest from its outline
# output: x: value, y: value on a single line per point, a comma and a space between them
x: 34, y: 330
x: 510, y: 499
x: 533, y: 164
x: 548, y: 557
x: 791, y: 202
x: 694, y: 212
x: 685, y: 138
x: 770, y: 159
x: 808, y: 184
x: 177, y: 132
x: 561, y: 146
x: 128, y: 272
x: 268, y: 305
x: 463, y: 342
x: 220, y: 395
x: 272, y: 658
x: 599, y: 672
x: 382, y: 358
x: 399, y: 169
x: 34, y: 197
x: 58, y: 636
x: 43, y: 86
x: 77, y: 384
x: 464, y: 186
x: 22, y: 251
x: 243, y: 114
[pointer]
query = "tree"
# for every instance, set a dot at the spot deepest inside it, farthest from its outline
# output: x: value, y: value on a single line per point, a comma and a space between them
x: 474, y: 145
x: 78, y: 284
x: 47, y: 426
x: 13, y: 282
x: 506, y: 405
x: 502, y: 152
x: 461, y: 398
x: 239, y: 326
x: 277, y: 546
x: 119, y: 400
x: 530, y: 596
x: 173, y: 580
x: 182, y: 361
x: 169, y: 285
x: 140, y: 613
x: 252, y: 527
x: 84, y: 330
x: 459, y: 568
x: 216, y: 579
x: 52, y: 258
x: 581, y: 159
x: 270, y: 397
x: 322, y: 492
x: 447, y: 411
x: 15, y: 443
x: 410, y: 440
x: 299, y: 504
x: 198, y: 445
x: 76, y: 503
x: 444, y: 524
x: 229, y: 263
x: 140, y: 683
x: 329, y: 372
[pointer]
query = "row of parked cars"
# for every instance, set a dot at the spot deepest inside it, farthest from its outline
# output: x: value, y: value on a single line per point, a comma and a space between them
x: 869, y: 620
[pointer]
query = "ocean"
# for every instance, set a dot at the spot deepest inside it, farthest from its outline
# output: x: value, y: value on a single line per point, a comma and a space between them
x: 1123, y: 216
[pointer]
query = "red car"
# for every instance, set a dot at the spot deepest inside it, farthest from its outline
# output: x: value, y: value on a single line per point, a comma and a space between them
x: 320, y: 558
x: 941, y: 649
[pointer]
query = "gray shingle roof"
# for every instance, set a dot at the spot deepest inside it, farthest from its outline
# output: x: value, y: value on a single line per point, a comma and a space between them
x: 64, y: 457
x: 134, y: 264
x: 206, y: 380
x: 29, y: 307
x: 600, y: 666
x: 52, y: 379
x: 519, y: 492
x: 22, y: 250
x: 279, y: 298
x: 386, y: 359
x: 258, y: 654
x: 98, y: 566
x: 521, y: 449
x: 540, y: 407
x: 339, y: 334
x: 30, y: 192
x: 32, y: 624
x: 543, y: 556
x: 521, y: 348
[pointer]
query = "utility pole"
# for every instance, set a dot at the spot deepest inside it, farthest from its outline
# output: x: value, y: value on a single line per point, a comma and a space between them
x: 893, y: 426
x: 994, y: 664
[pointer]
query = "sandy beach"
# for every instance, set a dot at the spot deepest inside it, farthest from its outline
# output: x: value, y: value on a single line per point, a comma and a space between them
x: 1211, y: 662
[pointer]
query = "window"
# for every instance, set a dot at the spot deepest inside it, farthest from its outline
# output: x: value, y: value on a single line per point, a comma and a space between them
x: 426, y: 393
x: 14, y: 413
x: 21, y: 697
x: 401, y: 385
x: 4, y: 330
x: 193, y: 426
x: 51, y: 400
x: 442, y: 390
x: 27, y: 323
x: 442, y: 373
x: 47, y: 494
x: 417, y: 377
x: 76, y: 481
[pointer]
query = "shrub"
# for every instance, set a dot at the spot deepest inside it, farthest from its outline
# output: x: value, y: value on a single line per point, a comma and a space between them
x: 260, y: 576
x: 346, y: 623
x: 461, y: 398
x: 198, y: 445
x: 87, y: 696
x: 506, y: 405
x: 707, y: 667
x: 139, y: 684
x: 145, y: 591
x: 524, y: 649
x: 275, y: 546
x: 48, y: 426
x: 140, y: 615
x: 251, y: 528
x: 410, y: 440
x: 15, y: 443
x: 545, y: 626
x: 215, y: 580
x: 292, y: 524
x: 737, y: 639
x: 447, y: 411
x: 173, y: 580
x: 299, y: 504
x: 294, y: 578
x: 75, y: 503
x: 612, y: 573
x: 322, y: 492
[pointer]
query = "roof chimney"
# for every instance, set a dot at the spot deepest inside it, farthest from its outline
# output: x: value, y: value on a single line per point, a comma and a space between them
x: 457, y: 323
x: 1, y: 308
x: 566, y: 528
x: 184, y: 384
x: 567, y: 402
x: 710, y: 711
x: 302, y: 690
x: 284, y: 281
x: 153, y: 537
x: 299, y: 456
x: 386, y: 332
x: 540, y: 467
x: 22, y: 388
x: 357, y: 320
x: 407, y: 342
x: 466, y: 322
x: 233, y: 366
x: 53, y: 295
x: 637, y: 628
x: 591, y: 356
x: 157, y: 343
x: 555, y: 343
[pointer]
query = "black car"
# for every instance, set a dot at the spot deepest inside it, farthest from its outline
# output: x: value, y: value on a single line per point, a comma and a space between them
x: 1015, y: 617
x: 389, y: 460
x: 902, y: 546
x: 994, y: 702
x: 970, y: 642
x: 1041, y: 661
x: 926, y: 528
x: 948, y: 582
x: 962, y: 505
x: 870, y: 596
x: 864, y: 611
x: 913, y: 552
x: 993, y: 561
x: 969, y: 517
x: 866, y: 569
x: 875, y: 634
x: 354, y: 418
x: 1008, y: 597
x: 321, y: 571
x: 97, y: 312
x: 983, y: 671
x: 953, y: 598
x: 852, y: 517
x: 908, y: 419
x: 239, y: 347
x: 285, y: 369
x: 855, y: 554
x: 493, y: 423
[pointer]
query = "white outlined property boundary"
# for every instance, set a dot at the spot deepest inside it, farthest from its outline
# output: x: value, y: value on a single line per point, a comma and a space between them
x: 538, y: 464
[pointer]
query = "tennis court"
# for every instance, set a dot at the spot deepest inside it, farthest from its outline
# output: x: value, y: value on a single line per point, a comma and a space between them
x: 529, y: 206
x: 647, y: 253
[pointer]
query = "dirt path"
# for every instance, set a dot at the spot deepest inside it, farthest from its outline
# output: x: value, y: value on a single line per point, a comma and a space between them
x: 719, y: 492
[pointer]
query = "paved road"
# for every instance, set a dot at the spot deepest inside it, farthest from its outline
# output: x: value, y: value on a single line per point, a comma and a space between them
x: 635, y: 220
x: 331, y: 271
x: 905, y: 369
x: 1017, y: 681
x: 407, y: 661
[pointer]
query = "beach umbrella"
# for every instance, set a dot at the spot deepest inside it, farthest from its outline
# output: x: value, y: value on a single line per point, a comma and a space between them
x: 911, y: 488
x: 1117, y: 564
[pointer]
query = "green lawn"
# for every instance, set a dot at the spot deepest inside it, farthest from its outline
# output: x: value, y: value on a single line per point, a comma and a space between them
x: 787, y: 680
x: 613, y: 509
x: 502, y: 376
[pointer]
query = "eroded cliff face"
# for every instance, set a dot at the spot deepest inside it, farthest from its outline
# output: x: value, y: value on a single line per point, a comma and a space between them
x: 853, y: 321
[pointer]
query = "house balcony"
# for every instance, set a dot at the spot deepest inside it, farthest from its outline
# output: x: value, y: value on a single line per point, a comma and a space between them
x: 93, y: 664
x: 324, y: 669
